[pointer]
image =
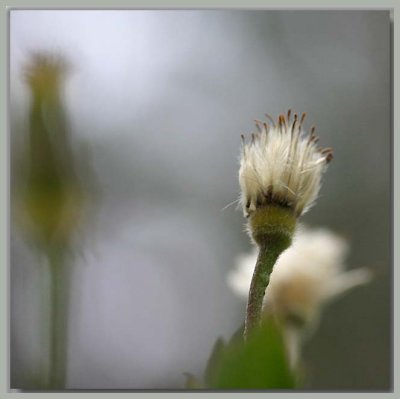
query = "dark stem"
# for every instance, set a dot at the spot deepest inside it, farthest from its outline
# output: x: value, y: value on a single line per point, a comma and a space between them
x: 58, y: 320
x: 267, y: 257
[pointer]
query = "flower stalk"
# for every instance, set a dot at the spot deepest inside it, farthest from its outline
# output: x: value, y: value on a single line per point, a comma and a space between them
x: 272, y: 228
x: 51, y: 197
x: 59, y: 281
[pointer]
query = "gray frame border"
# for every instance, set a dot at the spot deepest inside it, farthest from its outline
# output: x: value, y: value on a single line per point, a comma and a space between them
x: 204, y: 5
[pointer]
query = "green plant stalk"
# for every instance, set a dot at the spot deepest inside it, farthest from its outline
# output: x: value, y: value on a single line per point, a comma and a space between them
x: 267, y: 257
x: 58, y: 320
x: 272, y: 228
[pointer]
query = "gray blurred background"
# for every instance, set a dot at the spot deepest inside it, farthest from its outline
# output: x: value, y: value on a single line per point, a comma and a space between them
x: 160, y: 98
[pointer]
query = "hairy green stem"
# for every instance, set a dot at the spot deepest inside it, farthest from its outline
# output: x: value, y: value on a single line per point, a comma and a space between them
x: 58, y: 320
x: 272, y: 228
x: 267, y: 257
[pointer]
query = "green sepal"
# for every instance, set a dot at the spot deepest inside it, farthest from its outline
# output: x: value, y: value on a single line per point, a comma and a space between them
x: 273, y: 223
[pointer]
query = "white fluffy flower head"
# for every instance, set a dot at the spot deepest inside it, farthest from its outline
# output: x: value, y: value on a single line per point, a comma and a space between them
x: 282, y: 165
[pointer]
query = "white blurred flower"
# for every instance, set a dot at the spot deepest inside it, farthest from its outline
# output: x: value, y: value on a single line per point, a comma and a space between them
x: 306, y: 276
x: 281, y: 165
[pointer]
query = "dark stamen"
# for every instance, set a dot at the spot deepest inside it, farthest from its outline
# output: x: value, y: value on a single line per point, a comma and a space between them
x: 303, y: 116
x: 329, y: 157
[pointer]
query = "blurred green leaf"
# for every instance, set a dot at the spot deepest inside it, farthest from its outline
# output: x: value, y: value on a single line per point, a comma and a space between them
x: 260, y: 363
x: 192, y: 382
x: 214, y: 360
x: 237, y: 337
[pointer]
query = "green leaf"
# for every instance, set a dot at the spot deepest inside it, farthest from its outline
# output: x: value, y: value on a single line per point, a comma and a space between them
x: 259, y: 363
x: 213, y: 361
x: 237, y: 337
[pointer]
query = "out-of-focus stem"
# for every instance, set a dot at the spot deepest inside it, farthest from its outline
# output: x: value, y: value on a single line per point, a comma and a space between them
x: 58, y: 320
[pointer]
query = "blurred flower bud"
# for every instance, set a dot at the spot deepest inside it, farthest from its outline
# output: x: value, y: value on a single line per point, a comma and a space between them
x: 50, y: 198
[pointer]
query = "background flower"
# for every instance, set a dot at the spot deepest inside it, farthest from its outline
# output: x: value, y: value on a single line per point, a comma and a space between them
x: 306, y: 276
